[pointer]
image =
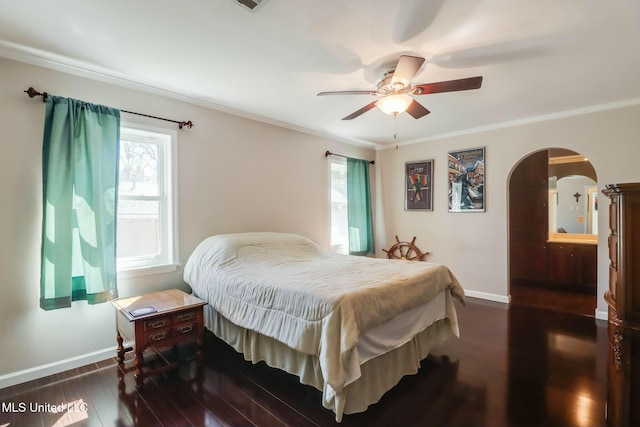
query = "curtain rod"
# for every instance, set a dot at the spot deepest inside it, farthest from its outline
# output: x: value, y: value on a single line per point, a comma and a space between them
x: 33, y: 93
x: 329, y: 153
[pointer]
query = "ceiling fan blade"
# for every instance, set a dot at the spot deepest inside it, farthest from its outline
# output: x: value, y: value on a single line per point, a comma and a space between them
x: 349, y: 92
x: 448, y: 86
x: 361, y: 111
x: 406, y: 69
x: 417, y: 110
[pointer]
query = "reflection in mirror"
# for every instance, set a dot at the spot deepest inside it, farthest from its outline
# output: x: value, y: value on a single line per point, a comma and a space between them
x: 573, y: 197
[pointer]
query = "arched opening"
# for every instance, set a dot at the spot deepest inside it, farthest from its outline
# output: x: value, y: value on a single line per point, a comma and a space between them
x: 553, y: 215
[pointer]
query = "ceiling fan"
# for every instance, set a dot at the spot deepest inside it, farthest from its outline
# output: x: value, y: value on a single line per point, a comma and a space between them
x: 395, y: 90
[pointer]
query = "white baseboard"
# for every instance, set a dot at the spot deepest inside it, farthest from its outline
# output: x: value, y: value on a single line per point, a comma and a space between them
x: 599, y: 314
x: 602, y: 314
x: 505, y: 299
x: 55, y: 367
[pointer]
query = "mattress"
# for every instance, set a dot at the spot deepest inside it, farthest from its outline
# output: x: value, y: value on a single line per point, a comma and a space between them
x: 341, y: 310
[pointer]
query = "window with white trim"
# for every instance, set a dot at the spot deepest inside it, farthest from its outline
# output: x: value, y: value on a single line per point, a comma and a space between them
x: 339, y: 211
x: 146, y: 233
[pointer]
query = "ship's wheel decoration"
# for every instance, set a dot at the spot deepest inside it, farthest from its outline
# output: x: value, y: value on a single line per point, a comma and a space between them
x: 405, y: 250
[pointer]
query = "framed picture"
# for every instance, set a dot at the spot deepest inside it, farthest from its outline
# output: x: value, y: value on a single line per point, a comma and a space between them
x: 466, y: 180
x: 419, y: 185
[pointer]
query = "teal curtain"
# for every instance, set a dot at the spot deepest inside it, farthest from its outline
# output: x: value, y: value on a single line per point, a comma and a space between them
x: 80, y: 154
x: 359, y: 208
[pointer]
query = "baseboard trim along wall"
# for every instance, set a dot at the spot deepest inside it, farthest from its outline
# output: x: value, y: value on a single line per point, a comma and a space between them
x: 599, y: 314
x: 56, y: 367
x: 505, y: 299
x: 602, y: 314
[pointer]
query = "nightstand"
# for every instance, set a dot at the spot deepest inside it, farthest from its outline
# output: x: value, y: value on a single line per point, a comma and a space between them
x: 155, y: 321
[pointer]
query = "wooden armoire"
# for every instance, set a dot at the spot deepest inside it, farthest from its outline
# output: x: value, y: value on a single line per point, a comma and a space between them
x: 623, y: 299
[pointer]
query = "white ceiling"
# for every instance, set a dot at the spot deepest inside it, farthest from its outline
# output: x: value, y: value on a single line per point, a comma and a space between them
x: 538, y: 58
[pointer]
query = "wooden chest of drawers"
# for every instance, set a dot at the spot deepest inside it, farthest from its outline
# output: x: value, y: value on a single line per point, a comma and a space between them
x: 623, y: 299
x: 175, y: 317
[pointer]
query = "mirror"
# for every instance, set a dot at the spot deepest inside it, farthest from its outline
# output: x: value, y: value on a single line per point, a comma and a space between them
x: 573, y: 197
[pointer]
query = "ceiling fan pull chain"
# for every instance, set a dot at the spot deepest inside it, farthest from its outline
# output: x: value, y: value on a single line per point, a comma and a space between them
x: 395, y: 128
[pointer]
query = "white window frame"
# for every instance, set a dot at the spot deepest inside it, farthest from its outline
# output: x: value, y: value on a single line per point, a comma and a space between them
x: 167, y: 261
x: 336, y: 246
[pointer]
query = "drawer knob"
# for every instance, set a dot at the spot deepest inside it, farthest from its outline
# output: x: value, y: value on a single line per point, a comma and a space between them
x: 185, y: 329
x: 158, y: 324
x: 158, y: 336
x: 185, y: 317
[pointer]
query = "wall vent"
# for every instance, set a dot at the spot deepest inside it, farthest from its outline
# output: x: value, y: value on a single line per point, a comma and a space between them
x: 251, y: 4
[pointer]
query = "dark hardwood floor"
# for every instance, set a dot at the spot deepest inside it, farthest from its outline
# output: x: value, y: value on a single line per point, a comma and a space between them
x: 552, y: 298
x: 512, y: 366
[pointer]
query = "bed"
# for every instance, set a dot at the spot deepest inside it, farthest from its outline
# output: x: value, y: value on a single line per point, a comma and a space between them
x: 349, y: 326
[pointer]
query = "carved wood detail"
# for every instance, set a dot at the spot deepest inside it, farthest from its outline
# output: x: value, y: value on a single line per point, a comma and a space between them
x: 618, y: 358
x: 623, y: 299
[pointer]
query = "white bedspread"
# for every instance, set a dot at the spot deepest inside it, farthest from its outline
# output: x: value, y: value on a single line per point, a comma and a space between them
x: 317, y: 302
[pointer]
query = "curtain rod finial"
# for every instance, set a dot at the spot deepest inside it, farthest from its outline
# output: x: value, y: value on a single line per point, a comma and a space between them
x: 33, y: 93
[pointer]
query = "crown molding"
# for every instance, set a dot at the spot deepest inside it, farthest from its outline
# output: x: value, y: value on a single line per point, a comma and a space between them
x: 83, y: 69
x: 75, y: 67
x: 534, y: 119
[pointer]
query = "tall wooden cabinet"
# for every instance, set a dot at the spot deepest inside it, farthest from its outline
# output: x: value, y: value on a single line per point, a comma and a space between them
x: 534, y: 261
x: 529, y: 219
x: 623, y: 299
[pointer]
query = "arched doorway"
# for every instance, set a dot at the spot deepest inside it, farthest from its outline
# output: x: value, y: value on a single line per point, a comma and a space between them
x: 552, y: 224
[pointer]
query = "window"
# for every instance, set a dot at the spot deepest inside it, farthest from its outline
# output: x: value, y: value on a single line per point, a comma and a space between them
x: 146, y: 234
x: 339, y: 211
x: 351, y: 216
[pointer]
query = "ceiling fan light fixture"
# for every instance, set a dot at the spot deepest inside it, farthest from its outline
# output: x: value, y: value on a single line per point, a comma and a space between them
x: 394, y: 104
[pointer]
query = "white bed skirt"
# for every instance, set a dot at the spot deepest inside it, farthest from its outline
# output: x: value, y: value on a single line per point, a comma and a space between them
x: 378, y: 375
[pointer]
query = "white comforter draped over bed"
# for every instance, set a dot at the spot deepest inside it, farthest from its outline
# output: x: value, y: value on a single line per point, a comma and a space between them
x: 274, y: 284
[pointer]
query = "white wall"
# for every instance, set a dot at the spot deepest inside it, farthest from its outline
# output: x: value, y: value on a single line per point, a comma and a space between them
x: 474, y: 245
x: 234, y: 174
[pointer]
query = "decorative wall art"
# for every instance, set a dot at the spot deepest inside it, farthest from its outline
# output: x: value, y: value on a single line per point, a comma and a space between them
x: 466, y: 180
x: 419, y: 185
